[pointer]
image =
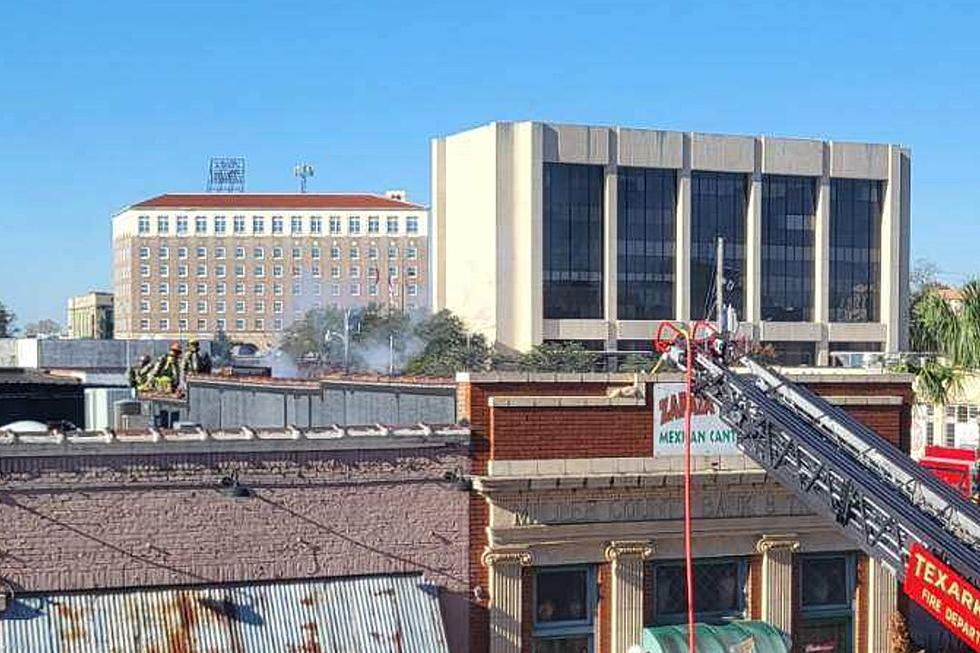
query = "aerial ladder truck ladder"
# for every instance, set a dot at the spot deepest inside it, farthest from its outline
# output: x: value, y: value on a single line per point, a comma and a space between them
x: 882, y: 500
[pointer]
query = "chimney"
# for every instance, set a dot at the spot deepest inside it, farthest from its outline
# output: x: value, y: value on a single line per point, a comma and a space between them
x: 399, y: 195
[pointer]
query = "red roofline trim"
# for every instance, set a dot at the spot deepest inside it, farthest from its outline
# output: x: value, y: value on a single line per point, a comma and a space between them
x: 270, y: 201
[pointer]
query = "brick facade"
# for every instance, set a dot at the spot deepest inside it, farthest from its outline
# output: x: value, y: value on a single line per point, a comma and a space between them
x: 83, y: 522
x: 507, y: 430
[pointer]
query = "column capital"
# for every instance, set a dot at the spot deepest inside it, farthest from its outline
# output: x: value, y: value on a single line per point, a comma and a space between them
x: 788, y: 542
x: 506, y: 556
x: 642, y: 549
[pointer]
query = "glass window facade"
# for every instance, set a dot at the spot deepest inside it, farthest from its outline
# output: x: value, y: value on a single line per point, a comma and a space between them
x: 719, y: 201
x: 719, y: 591
x: 826, y: 588
x: 855, y: 249
x: 646, y: 208
x: 793, y: 353
x: 788, y: 212
x: 564, y: 608
x: 573, y: 243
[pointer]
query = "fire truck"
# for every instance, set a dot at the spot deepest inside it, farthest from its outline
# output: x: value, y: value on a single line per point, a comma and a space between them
x: 917, y: 519
x: 957, y: 467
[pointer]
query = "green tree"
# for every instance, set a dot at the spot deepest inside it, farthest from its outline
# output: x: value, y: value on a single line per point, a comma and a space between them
x: 447, y: 347
x: 951, y: 336
x: 307, y: 337
x: 638, y: 362
x: 923, y: 280
x: 221, y: 349
x: 559, y: 357
x: 7, y: 319
x: 43, y: 327
x: 383, y: 337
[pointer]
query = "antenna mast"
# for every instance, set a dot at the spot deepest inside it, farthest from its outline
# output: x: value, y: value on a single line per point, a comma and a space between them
x: 303, y: 171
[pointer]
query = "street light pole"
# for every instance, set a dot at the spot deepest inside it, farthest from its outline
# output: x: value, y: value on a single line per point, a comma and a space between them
x: 347, y: 341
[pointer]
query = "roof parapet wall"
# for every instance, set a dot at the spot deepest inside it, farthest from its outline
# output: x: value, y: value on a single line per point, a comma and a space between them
x: 200, y: 440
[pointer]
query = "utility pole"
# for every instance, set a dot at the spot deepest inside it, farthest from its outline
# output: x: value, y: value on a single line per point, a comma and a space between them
x: 347, y: 341
x: 720, y: 283
x: 391, y: 354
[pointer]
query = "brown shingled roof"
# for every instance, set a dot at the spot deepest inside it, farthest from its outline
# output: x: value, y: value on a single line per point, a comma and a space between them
x: 273, y: 201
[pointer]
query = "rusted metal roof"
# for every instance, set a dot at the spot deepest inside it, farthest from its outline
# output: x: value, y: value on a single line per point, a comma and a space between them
x: 377, y: 614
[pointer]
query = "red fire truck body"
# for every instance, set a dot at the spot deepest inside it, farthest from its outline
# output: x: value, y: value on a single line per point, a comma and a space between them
x: 957, y: 467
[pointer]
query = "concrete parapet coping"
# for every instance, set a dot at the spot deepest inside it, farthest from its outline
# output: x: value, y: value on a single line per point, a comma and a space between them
x: 607, y: 467
x: 200, y: 440
x: 796, y: 374
x: 566, y: 402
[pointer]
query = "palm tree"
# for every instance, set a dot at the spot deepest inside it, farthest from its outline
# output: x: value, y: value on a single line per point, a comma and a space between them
x: 951, y: 334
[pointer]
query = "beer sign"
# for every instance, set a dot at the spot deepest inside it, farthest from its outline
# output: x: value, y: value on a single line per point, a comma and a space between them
x: 951, y: 599
x: 710, y: 436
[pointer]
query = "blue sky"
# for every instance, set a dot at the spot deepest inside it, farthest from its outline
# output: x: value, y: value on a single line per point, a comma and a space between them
x: 105, y: 103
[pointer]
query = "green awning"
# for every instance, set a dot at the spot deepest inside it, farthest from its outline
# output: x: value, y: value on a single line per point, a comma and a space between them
x: 736, y: 637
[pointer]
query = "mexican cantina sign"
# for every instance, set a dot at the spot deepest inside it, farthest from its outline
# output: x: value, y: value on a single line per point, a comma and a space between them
x: 711, y: 436
x: 947, y: 596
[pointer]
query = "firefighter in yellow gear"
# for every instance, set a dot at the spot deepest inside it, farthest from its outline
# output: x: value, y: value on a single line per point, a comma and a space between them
x: 166, y: 375
x: 195, y: 361
x: 140, y: 373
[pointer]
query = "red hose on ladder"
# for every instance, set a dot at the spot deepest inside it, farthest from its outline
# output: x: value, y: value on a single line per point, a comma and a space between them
x: 668, y: 335
x: 688, y: 556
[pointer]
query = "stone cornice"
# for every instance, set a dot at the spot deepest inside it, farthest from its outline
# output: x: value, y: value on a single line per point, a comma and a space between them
x: 766, y: 543
x: 642, y: 549
x: 500, y: 556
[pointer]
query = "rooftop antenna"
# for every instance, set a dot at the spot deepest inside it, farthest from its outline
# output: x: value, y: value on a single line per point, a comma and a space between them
x: 226, y: 174
x: 303, y: 171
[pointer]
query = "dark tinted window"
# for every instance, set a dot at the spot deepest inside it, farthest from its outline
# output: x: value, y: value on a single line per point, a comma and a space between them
x: 793, y: 353
x: 573, y: 244
x: 855, y: 249
x: 562, y: 595
x: 718, y: 207
x: 826, y: 587
x: 719, y: 591
x: 788, y: 209
x: 646, y: 200
x: 825, y: 582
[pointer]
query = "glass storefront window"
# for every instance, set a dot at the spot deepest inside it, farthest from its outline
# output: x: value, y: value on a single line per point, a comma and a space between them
x: 564, y: 608
x: 719, y: 591
x: 827, y: 585
x: 577, y: 644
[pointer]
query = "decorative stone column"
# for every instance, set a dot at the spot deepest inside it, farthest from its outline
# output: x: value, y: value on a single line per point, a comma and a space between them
x: 505, y: 597
x: 777, y: 579
x: 882, y: 602
x: 627, y: 592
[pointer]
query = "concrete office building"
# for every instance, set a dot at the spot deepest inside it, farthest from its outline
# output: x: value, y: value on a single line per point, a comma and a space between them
x: 596, y: 234
x: 90, y: 316
x: 192, y: 265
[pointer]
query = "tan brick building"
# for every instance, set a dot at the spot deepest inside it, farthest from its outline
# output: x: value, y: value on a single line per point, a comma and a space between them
x: 189, y: 265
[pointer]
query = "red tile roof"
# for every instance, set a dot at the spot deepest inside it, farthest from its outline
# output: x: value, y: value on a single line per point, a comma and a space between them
x: 951, y: 294
x: 273, y: 201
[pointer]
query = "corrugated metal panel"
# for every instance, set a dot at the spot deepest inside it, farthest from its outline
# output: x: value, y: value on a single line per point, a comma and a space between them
x: 378, y: 614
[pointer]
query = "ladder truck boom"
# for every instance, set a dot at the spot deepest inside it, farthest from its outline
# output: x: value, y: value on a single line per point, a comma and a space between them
x: 840, y: 468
